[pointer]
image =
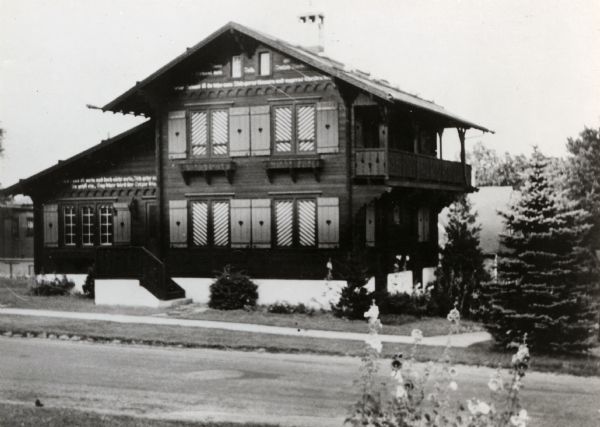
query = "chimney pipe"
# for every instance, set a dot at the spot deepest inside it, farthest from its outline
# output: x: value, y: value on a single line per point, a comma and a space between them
x: 311, y: 31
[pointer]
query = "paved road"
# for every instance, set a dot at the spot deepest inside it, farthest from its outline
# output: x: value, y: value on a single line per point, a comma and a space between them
x: 300, y: 390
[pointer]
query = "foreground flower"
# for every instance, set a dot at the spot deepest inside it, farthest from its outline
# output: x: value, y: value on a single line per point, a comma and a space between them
x: 401, y: 392
x: 520, y: 420
x: 373, y: 313
x: 495, y: 384
x: 452, y: 371
x: 478, y: 407
x: 374, y: 342
x: 453, y: 316
x: 417, y: 335
x: 397, y: 375
x: 453, y: 386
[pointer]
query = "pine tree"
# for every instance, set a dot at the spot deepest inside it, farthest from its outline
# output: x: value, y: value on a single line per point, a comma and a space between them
x: 461, y: 273
x: 546, y: 272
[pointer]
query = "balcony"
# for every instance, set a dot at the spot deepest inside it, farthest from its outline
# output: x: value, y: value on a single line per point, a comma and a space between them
x: 395, y: 165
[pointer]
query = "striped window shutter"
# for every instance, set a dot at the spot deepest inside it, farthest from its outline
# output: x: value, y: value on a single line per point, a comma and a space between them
x: 329, y: 222
x: 370, y: 226
x: 200, y: 223
x: 239, y: 131
x: 305, y: 125
x: 284, y: 222
x: 260, y: 124
x: 283, y: 129
x: 241, y: 223
x: 199, y: 133
x: 423, y: 224
x: 327, y: 127
x: 220, y: 220
x: 220, y: 132
x: 261, y: 223
x: 307, y: 222
x: 177, y: 135
x: 178, y: 223
x: 51, y: 225
x: 122, y: 223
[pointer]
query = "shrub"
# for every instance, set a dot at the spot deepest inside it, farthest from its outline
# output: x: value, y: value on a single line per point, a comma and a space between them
x: 89, y: 289
x: 44, y: 285
x: 417, y: 304
x: 232, y: 290
x: 286, y: 308
x: 355, y: 298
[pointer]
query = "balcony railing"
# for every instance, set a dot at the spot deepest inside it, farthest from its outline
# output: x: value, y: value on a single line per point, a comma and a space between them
x: 377, y: 163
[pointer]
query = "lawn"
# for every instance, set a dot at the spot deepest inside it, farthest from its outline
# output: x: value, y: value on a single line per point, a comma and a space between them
x: 31, y: 416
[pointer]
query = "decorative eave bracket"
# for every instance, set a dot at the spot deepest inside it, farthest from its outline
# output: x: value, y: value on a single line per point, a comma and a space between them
x: 293, y: 166
x: 207, y: 168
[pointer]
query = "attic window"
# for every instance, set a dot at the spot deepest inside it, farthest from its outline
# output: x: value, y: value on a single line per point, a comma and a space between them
x: 236, y: 67
x: 264, y: 63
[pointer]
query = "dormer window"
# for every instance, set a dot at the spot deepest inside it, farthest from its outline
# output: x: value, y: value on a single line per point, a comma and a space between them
x: 236, y: 67
x: 264, y: 64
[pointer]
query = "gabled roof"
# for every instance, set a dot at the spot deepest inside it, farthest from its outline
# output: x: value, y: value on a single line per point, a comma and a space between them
x: 132, y: 100
x: 24, y: 185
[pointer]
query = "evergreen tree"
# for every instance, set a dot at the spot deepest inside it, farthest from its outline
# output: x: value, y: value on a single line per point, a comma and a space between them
x: 461, y: 273
x: 546, y: 272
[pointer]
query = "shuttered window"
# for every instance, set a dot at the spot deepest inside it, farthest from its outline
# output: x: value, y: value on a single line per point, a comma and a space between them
x: 199, y: 133
x: 200, y: 223
x: 423, y: 217
x: 210, y: 223
x: 295, y: 128
x: 69, y: 225
x: 283, y: 129
x: 236, y: 67
x: 209, y: 133
x: 261, y: 223
x: 122, y: 223
x: 327, y: 127
x: 328, y: 214
x: 241, y: 223
x: 87, y: 226
x: 370, y: 225
x: 177, y: 134
x: 105, y: 214
x: 305, y: 124
x: 296, y: 222
x: 51, y: 225
x: 178, y: 223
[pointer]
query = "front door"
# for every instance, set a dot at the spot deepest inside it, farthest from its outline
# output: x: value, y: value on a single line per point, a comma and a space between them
x: 152, y: 227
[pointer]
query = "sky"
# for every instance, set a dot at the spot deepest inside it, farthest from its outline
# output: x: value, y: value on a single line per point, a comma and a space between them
x: 528, y: 69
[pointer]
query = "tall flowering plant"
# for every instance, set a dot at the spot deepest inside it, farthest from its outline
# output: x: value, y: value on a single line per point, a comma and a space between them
x: 423, y: 394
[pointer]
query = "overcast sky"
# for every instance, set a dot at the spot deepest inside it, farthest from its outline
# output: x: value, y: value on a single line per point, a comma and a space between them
x: 530, y: 70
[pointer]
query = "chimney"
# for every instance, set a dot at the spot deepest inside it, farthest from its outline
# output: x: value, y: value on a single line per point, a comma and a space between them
x: 310, y: 31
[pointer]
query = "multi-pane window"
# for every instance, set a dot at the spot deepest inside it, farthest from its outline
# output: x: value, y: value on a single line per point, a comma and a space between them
x: 295, y: 222
x: 87, y: 225
x: 236, y: 67
x: 209, y: 133
x: 264, y: 64
x: 69, y: 226
x: 105, y: 215
x: 294, y: 129
x: 210, y: 223
x: 29, y: 230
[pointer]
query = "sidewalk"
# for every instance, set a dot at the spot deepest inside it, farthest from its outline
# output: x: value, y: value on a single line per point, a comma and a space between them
x: 460, y: 340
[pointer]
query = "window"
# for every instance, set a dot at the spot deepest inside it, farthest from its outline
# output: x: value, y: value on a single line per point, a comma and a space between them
x: 69, y: 225
x: 236, y: 67
x: 29, y: 230
x: 210, y: 223
x: 105, y: 214
x: 209, y: 133
x: 296, y: 223
x: 264, y: 64
x: 87, y: 226
x: 300, y: 118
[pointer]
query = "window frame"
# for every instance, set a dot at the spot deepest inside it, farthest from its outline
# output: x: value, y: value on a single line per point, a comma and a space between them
x: 209, y: 133
x: 29, y: 230
x: 241, y: 73
x: 72, y: 226
x: 295, y: 143
x: 259, y: 64
x: 295, y: 222
x: 210, y: 224
x: 111, y: 216
x: 93, y: 232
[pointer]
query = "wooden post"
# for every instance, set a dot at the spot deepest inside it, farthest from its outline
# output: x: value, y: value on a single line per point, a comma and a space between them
x: 463, y: 161
x: 440, y: 133
x: 415, y: 127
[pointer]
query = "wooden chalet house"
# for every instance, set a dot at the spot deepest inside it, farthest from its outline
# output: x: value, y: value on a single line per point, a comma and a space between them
x: 257, y: 153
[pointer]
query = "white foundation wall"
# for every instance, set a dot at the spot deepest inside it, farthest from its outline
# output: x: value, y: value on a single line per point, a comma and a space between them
x: 123, y: 292
x: 318, y: 294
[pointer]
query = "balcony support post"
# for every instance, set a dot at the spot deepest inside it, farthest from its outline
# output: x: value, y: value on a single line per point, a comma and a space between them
x: 463, y: 160
x: 440, y: 132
